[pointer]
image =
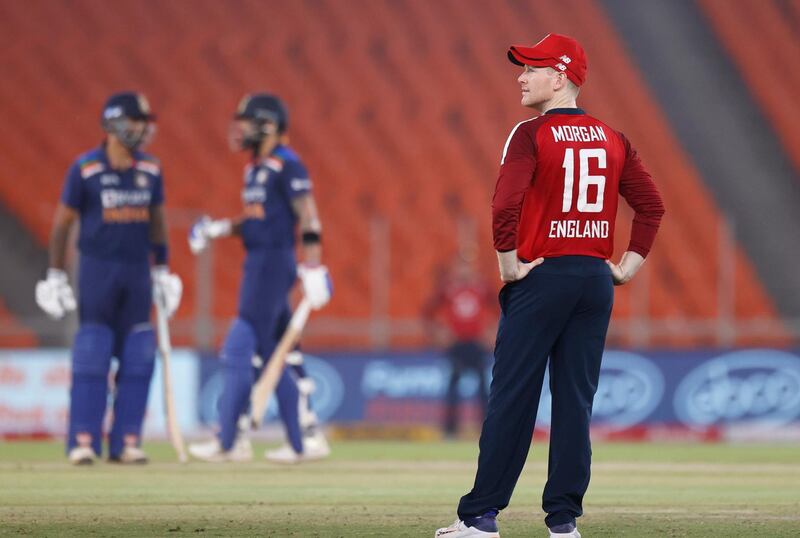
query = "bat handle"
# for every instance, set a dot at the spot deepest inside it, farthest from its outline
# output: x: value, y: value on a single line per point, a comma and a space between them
x: 301, y: 314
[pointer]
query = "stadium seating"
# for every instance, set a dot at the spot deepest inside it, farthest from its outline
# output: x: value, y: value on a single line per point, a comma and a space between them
x: 763, y: 39
x: 399, y: 116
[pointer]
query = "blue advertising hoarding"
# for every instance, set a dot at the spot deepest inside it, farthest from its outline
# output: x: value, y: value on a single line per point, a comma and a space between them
x: 754, y: 389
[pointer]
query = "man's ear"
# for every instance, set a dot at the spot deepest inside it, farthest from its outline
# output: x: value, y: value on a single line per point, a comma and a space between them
x: 560, y: 80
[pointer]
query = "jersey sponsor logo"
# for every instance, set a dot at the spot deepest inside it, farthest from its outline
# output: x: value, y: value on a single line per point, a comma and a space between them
x: 90, y: 168
x: 578, y: 133
x: 109, y: 179
x: 123, y: 206
x: 254, y: 195
x: 149, y: 167
x: 126, y: 214
x: 254, y: 198
x: 254, y: 211
x: 576, y: 229
x: 142, y: 181
x: 261, y: 176
x: 112, y: 198
x: 759, y: 386
x: 299, y: 184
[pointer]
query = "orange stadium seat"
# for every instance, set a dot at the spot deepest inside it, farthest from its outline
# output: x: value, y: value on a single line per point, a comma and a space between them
x: 398, y: 116
x: 763, y: 40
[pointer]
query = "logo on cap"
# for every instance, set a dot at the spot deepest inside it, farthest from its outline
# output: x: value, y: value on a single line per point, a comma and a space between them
x: 243, y: 104
x: 144, y: 105
x: 113, y: 112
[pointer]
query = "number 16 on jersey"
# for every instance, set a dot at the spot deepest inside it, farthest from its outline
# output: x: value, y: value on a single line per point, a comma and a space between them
x: 584, y: 179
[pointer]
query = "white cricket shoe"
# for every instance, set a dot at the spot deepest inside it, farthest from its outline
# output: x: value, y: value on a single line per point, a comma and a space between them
x: 283, y: 454
x: 459, y: 529
x: 315, y: 447
x: 567, y: 530
x: 82, y: 455
x: 131, y: 455
x: 212, y: 452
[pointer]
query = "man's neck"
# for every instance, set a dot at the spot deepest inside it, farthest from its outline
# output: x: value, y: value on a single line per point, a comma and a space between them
x: 558, y: 102
x: 267, y: 147
x: 119, y: 157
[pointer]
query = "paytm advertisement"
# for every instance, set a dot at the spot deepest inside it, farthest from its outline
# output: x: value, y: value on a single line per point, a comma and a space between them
x: 704, y: 395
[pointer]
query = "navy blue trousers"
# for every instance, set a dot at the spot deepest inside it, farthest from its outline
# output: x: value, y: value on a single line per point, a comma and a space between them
x: 559, y: 311
x: 114, y: 299
x: 264, y: 311
x: 116, y: 294
x: 465, y: 356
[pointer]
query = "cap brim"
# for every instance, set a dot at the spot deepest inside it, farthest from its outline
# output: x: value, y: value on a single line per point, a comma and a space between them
x: 528, y: 56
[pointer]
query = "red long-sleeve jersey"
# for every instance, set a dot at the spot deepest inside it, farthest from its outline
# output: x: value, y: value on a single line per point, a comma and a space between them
x: 556, y: 191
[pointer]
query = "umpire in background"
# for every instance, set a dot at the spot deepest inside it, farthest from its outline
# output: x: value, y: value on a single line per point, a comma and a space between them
x: 460, y: 313
x: 553, y: 214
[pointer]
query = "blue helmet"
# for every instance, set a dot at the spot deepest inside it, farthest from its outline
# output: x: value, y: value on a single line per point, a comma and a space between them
x: 120, y: 110
x: 264, y: 108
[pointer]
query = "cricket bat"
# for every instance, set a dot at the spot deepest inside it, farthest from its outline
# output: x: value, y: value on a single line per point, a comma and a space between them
x: 165, y: 347
x: 265, y: 386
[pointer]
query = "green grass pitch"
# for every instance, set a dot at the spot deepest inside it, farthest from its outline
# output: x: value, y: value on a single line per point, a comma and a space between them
x: 397, y: 489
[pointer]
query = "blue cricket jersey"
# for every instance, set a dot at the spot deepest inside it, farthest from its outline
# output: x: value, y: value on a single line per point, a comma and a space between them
x: 269, y: 187
x: 114, y: 205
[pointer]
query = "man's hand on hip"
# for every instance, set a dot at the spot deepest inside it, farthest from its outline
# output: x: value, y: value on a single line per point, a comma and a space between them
x: 512, y: 269
x: 623, y: 272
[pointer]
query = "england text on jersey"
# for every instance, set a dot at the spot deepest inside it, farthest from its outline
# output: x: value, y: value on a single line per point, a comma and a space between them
x: 593, y: 229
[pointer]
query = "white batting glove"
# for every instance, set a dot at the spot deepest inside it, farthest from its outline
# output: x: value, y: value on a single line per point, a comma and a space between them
x: 167, y: 288
x: 54, y: 294
x: 317, y: 284
x: 204, y: 230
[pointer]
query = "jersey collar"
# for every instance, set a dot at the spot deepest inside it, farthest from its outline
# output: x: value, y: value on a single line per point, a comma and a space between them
x: 103, y: 156
x: 573, y: 111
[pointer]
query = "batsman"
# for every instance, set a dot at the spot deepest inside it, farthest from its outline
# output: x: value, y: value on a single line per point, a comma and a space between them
x: 116, y: 192
x: 562, y: 173
x: 277, y: 200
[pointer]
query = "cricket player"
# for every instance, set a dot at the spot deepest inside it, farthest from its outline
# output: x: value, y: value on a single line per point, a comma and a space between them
x: 462, y: 309
x: 553, y: 215
x: 277, y: 200
x: 116, y: 192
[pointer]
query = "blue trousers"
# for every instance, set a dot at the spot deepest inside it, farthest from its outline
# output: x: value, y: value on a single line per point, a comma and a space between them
x: 560, y: 311
x: 264, y: 310
x: 114, y: 300
x: 115, y: 294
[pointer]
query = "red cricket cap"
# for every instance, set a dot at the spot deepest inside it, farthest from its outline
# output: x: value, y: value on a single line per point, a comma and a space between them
x: 560, y: 52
